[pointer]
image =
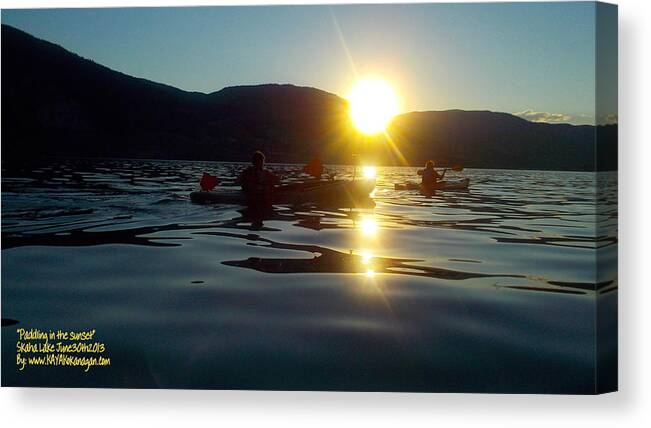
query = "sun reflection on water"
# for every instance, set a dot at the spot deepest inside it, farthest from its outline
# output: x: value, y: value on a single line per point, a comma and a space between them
x: 368, y: 226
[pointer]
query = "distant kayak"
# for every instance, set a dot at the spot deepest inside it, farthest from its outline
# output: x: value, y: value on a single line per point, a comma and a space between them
x: 460, y: 184
x: 342, y: 193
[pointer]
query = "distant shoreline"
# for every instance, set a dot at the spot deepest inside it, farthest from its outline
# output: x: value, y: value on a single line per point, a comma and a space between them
x: 94, y: 158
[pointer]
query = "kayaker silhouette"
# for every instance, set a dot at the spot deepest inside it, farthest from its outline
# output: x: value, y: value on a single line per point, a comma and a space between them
x: 429, y: 175
x: 256, y: 181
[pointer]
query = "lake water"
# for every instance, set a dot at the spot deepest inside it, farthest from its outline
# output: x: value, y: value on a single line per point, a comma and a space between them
x: 495, y: 289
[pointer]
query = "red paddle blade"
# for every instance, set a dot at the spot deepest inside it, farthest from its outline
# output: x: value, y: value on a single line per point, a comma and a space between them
x: 314, y: 168
x: 208, y: 182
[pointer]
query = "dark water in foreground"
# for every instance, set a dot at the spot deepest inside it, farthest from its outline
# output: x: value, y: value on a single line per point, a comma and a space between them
x: 490, y: 290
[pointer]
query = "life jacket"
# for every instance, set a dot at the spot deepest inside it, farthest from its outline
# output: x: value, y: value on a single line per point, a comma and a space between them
x: 430, y: 176
x: 256, y: 180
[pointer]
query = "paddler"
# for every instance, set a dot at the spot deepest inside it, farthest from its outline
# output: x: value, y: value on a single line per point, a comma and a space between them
x: 429, y: 175
x: 256, y: 181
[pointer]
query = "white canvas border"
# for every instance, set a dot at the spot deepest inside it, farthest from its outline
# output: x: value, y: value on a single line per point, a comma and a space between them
x: 629, y: 407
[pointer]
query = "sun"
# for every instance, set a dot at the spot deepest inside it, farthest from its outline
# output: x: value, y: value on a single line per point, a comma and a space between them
x: 372, y: 105
x: 369, y: 171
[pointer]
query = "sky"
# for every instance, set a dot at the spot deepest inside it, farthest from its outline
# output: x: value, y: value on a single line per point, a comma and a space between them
x: 535, y: 59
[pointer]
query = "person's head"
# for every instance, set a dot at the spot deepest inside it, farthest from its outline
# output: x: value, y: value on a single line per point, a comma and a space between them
x: 258, y: 159
x: 429, y: 164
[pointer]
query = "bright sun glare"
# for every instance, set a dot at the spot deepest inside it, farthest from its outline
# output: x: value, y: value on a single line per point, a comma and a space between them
x: 366, y: 257
x: 368, y: 226
x: 373, y: 103
x: 368, y: 171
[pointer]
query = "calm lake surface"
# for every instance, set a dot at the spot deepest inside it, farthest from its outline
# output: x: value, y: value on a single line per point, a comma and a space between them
x: 494, y: 289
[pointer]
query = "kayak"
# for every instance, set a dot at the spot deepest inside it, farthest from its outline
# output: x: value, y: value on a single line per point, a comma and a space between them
x: 460, y: 184
x: 342, y: 193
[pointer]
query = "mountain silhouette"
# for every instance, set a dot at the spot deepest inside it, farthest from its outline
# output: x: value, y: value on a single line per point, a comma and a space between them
x: 56, y: 103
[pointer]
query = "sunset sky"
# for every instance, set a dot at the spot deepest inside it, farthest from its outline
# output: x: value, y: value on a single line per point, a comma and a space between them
x: 536, y: 57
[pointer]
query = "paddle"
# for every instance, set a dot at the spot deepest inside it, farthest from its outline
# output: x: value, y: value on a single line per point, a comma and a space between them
x: 455, y: 168
x: 208, y: 182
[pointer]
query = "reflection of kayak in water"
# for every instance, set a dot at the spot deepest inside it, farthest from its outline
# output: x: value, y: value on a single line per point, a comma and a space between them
x: 342, y: 193
x: 461, y: 184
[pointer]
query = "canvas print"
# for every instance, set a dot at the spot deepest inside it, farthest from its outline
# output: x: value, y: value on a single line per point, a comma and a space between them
x: 380, y: 197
